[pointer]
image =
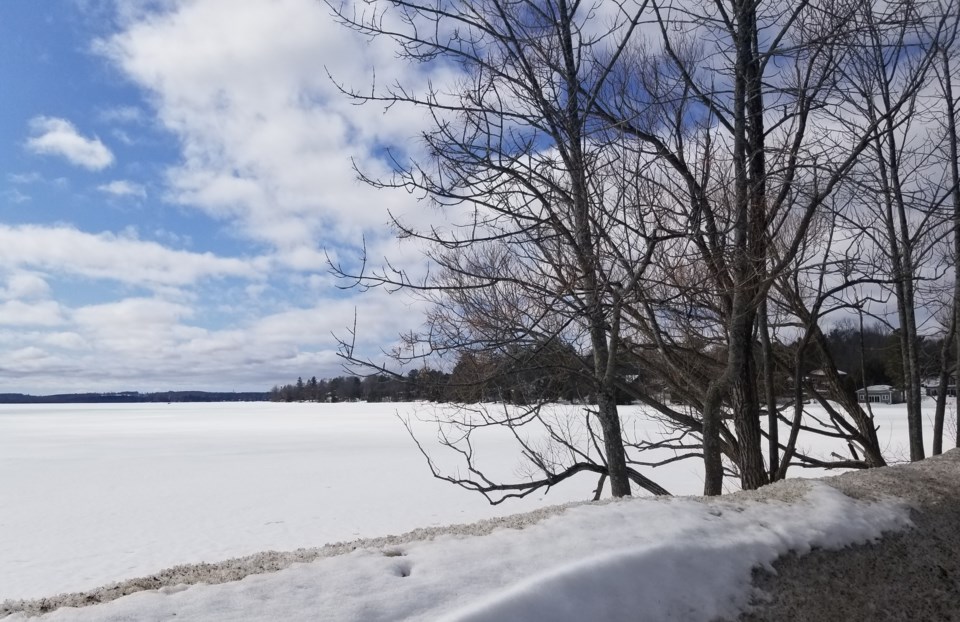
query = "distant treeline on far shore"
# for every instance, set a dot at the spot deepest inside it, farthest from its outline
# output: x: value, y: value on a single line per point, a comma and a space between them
x: 132, y: 397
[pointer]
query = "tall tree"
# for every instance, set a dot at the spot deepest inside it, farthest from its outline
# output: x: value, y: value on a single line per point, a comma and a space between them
x: 516, y: 161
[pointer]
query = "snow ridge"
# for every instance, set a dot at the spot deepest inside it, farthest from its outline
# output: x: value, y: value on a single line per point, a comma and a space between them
x: 672, y: 559
x: 237, y: 568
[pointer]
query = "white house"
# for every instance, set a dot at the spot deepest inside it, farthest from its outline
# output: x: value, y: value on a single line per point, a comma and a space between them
x: 880, y: 394
x: 932, y: 386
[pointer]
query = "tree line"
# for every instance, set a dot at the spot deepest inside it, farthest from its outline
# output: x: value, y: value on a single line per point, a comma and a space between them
x: 699, y: 192
x: 134, y: 397
x: 531, y: 375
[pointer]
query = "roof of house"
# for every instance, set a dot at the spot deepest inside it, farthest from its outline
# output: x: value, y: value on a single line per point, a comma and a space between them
x: 820, y: 373
x: 878, y: 388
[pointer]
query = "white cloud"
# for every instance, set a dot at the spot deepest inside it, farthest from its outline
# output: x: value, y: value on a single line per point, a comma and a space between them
x: 65, y: 340
x: 55, y: 136
x: 126, y: 259
x: 17, y: 197
x: 137, y: 327
x: 24, y: 178
x: 155, y: 343
x: 30, y: 357
x: 123, y: 188
x: 25, y: 285
x: 122, y: 114
x: 18, y: 313
x: 267, y: 139
x: 266, y: 143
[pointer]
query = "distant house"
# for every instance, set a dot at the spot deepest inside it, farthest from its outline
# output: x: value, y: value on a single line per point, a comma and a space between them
x: 932, y: 386
x: 818, y: 378
x: 880, y: 394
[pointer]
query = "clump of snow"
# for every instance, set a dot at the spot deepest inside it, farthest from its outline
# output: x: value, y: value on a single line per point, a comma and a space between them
x: 671, y: 559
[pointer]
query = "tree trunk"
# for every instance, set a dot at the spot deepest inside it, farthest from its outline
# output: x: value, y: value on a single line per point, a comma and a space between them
x: 749, y: 232
x: 954, y: 165
x: 864, y: 421
x: 712, y: 457
x: 773, y: 425
x: 943, y: 380
x: 613, y: 445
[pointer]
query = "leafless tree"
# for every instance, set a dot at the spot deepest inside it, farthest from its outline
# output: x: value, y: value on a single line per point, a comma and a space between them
x: 898, y: 203
x: 947, y: 76
x: 531, y: 187
x: 640, y: 182
x: 763, y: 86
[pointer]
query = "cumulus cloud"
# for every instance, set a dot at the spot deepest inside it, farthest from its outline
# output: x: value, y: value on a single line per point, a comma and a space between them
x: 135, y: 326
x: 266, y: 143
x: 123, y: 188
x: 25, y: 285
x: 125, y: 259
x: 18, y: 313
x: 153, y: 343
x: 59, y: 137
x: 267, y: 138
x: 67, y: 340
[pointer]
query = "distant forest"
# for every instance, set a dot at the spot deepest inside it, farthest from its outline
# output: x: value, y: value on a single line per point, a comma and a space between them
x: 132, y: 397
x: 552, y: 373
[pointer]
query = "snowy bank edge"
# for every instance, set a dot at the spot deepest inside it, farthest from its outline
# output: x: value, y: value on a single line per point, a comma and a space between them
x: 236, y: 569
x: 264, y: 562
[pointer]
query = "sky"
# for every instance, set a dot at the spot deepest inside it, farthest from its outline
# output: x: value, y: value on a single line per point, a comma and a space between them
x: 174, y: 176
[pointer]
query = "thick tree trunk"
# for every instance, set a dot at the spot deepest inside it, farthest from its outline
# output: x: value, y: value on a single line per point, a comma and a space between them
x: 613, y: 445
x: 746, y: 421
x: 712, y: 420
x: 953, y: 146
x: 749, y: 230
x: 603, y: 337
x: 946, y: 352
x: 911, y: 368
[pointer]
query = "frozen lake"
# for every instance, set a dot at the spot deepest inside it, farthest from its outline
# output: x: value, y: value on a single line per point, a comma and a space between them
x: 98, y: 493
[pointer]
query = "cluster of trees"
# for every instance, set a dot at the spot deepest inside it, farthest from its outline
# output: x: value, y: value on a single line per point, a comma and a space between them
x: 511, y: 377
x: 526, y: 375
x: 694, y: 189
x: 416, y: 385
x: 873, y: 356
x: 132, y: 397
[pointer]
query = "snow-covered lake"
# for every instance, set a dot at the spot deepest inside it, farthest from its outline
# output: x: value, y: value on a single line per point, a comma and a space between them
x: 98, y: 493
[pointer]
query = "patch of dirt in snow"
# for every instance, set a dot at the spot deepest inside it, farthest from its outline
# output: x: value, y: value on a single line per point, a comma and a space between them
x: 909, y: 575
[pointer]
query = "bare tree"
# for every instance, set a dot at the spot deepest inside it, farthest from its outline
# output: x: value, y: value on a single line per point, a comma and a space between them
x: 737, y: 161
x: 898, y: 204
x: 946, y: 77
x: 639, y: 183
x: 515, y: 161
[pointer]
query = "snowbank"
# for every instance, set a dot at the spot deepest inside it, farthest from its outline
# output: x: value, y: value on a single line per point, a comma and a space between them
x: 669, y: 559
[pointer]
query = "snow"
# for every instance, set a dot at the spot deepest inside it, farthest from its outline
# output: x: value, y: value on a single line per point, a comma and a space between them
x: 100, y: 493
x: 108, y: 492
x: 667, y: 560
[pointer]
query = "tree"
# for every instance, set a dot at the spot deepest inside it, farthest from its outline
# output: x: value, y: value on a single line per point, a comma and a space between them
x: 738, y: 107
x: 947, y: 77
x: 653, y: 200
x: 515, y: 157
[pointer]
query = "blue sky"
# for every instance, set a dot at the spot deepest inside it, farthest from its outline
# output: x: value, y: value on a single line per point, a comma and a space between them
x: 172, y: 178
